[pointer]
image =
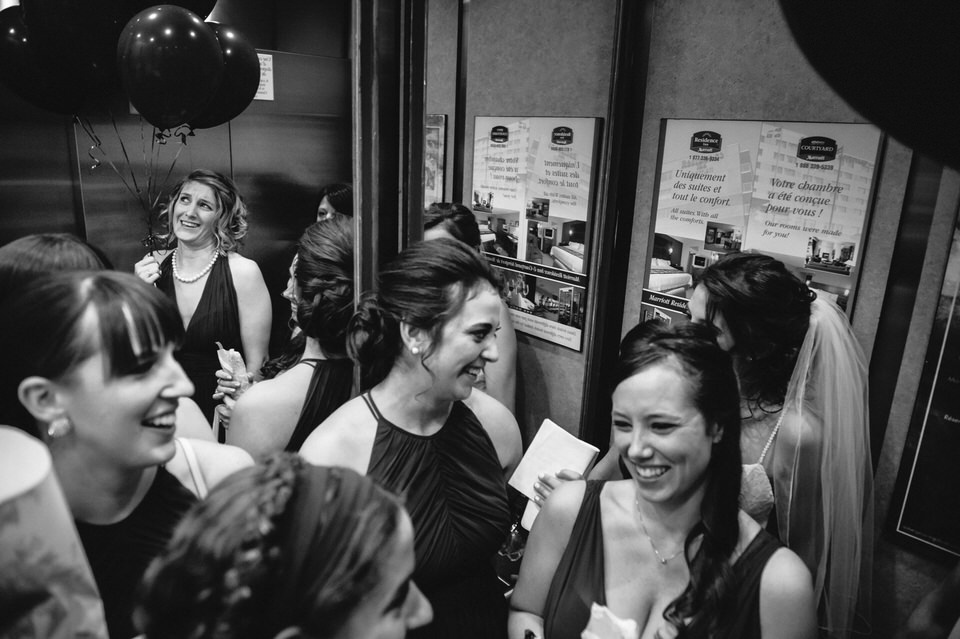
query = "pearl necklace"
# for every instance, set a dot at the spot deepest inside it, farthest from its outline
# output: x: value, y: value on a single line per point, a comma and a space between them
x: 663, y: 560
x: 206, y: 269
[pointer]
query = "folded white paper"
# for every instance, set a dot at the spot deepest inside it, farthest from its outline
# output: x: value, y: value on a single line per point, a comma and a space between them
x: 552, y: 450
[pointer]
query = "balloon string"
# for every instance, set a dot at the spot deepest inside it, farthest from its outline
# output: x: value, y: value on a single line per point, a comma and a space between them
x: 98, y: 145
x: 137, y: 193
x: 147, y: 169
x: 183, y: 142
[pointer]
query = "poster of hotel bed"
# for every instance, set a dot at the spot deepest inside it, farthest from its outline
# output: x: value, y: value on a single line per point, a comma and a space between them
x: 798, y: 191
x: 533, y: 184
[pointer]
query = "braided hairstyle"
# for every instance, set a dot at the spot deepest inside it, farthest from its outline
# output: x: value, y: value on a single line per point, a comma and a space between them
x: 692, y: 350
x: 767, y: 310
x: 277, y: 545
x: 324, y: 275
x: 424, y: 286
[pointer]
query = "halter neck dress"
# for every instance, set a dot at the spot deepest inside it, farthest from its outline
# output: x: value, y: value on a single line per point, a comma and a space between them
x: 454, y: 489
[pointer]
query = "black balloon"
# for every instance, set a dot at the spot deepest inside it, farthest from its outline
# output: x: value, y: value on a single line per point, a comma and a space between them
x: 241, y: 78
x: 24, y: 71
x: 895, y: 62
x: 200, y: 7
x: 170, y: 64
x: 79, y: 36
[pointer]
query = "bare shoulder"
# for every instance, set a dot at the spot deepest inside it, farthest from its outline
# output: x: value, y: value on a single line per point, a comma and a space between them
x: 216, y: 461
x: 263, y: 397
x: 241, y: 265
x: 800, y: 429
x: 246, y: 273
x: 501, y: 427
x: 787, y: 606
x: 343, y: 439
x: 558, y: 513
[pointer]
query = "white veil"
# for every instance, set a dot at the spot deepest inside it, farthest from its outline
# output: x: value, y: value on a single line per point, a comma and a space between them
x: 823, y: 479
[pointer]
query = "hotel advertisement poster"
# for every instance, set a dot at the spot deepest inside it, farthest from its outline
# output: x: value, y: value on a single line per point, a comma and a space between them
x: 926, y: 499
x: 533, y: 191
x: 798, y: 191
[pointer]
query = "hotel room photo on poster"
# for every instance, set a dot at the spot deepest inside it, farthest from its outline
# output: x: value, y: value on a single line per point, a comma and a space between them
x: 533, y: 190
x: 798, y: 191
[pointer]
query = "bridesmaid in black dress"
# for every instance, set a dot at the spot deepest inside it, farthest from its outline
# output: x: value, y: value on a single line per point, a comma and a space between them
x: 423, y: 431
x: 221, y: 295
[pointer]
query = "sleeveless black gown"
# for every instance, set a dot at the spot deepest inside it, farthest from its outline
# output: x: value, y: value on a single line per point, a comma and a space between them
x: 454, y: 490
x: 579, y: 578
x: 217, y: 318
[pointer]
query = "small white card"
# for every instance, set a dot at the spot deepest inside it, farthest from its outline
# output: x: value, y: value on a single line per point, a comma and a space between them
x: 551, y: 450
x: 265, y: 90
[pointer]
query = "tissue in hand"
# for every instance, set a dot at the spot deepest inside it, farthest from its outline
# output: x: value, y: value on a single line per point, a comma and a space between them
x: 606, y: 625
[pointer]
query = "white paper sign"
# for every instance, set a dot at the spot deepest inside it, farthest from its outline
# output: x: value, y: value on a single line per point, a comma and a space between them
x: 265, y: 90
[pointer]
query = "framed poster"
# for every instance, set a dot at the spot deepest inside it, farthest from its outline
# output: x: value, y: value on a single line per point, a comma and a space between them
x: 926, y: 501
x: 434, y: 147
x: 533, y: 191
x: 798, y: 191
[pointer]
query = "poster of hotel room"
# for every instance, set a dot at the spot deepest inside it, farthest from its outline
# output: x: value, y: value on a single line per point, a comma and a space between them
x: 533, y: 183
x: 798, y: 191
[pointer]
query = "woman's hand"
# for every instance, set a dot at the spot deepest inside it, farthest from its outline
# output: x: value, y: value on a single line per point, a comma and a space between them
x: 147, y: 269
x: 228, y: 386
x: 548, y: 483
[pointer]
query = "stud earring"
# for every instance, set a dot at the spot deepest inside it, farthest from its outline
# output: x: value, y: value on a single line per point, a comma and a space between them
x: 415, y: 350
x: 59, y: 427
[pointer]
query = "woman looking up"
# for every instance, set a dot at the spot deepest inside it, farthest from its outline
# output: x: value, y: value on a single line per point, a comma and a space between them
x: 220, y: 294
x: 286, y: 549
x: 421, y: 429
x: 90, y: 371
x: 668, y: 547
x: 279, y: 413
x: 499, y: 379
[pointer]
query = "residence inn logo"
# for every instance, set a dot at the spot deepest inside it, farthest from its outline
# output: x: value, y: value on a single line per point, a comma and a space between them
x: 817, y: 149
x: 706, y: 142
x: 499, y: 134
x: 562, y: 136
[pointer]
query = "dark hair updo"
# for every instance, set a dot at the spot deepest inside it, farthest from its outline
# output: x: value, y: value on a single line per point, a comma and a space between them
x: 692, y: 350
x: 455, y: 219
x: 424, y: 286
x: 324, y: 275
x: 767, y: 310
x: 340, y: 196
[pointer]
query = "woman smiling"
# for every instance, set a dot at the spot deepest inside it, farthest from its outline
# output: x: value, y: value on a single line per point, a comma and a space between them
x: 423, y: 431
x: 221, y: 295
x: 668, y: 547
x: 90, y: 370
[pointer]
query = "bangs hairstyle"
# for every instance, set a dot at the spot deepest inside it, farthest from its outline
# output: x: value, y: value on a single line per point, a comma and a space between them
x: 231, y: 225
x: 65, y: 318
